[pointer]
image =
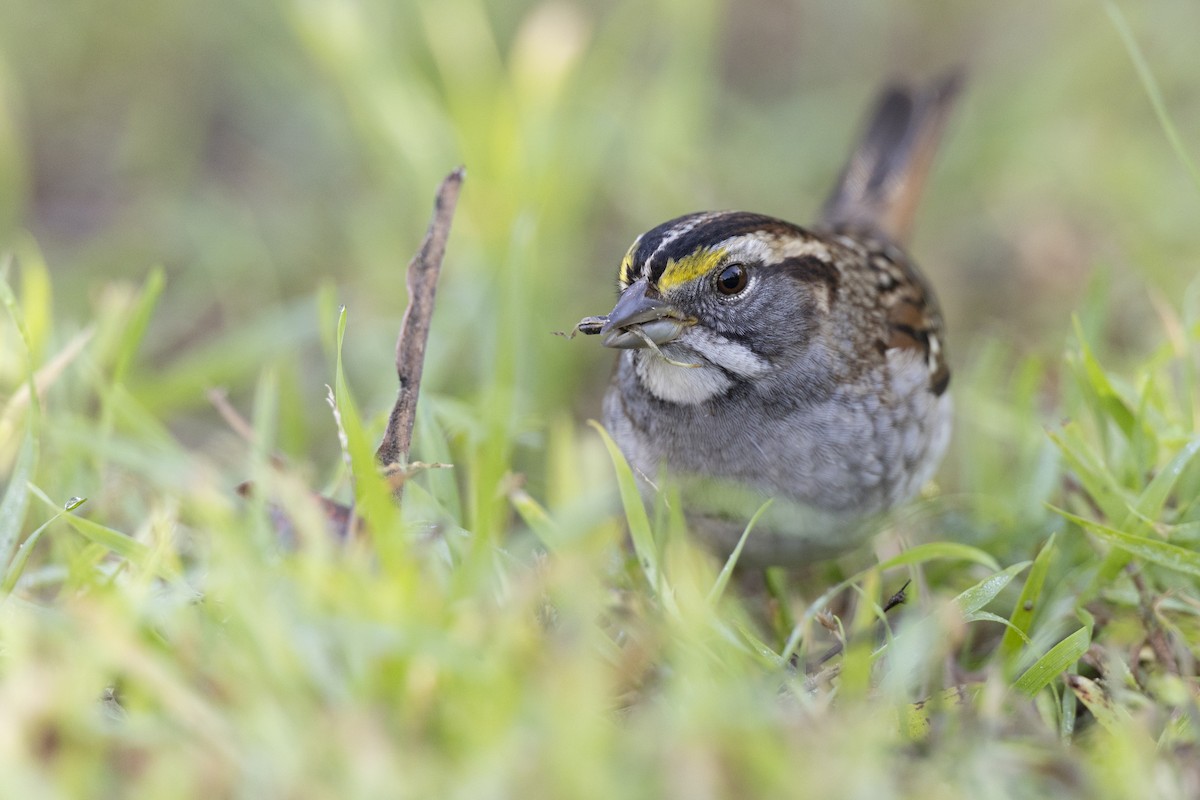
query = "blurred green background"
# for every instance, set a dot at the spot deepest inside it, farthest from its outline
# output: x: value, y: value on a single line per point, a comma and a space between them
x: 278, y: 159
x: 225, y: 175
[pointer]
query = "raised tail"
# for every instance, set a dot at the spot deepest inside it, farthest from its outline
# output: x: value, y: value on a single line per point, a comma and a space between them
x: 881, y: 184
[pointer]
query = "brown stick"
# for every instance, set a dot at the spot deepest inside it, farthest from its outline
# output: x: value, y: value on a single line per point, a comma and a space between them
x: 423, y: 273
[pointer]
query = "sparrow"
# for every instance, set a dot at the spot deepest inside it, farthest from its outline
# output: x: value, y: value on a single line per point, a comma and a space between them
x: 762, y: 360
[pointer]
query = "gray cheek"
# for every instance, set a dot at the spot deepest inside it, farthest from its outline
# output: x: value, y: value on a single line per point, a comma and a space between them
x: 774, y: 326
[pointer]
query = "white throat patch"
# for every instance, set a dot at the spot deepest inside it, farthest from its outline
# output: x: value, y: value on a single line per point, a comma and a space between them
x: 695, y: 385
x: 683, y: 385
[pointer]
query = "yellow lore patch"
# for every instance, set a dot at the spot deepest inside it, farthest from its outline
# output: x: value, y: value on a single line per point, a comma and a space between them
x: 689, y: 267
x: 626, y: 264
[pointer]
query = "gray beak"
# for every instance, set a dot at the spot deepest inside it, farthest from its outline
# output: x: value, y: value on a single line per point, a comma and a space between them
x: 660, y: 322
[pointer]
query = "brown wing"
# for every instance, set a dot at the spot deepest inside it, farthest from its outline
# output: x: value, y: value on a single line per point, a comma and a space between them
x: 911, y: 311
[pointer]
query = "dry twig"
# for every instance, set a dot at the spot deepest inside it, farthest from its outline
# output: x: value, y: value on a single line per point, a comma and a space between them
x: 423, y: 273
x: 392, y: 454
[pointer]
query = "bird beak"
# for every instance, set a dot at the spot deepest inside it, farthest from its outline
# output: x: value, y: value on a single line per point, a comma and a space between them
x: 659, y: 322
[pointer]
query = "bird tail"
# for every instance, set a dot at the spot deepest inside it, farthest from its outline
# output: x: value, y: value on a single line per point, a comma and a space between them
x: 881, y: 184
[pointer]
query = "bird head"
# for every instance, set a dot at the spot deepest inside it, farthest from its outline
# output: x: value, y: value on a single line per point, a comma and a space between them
x: 730, y: 291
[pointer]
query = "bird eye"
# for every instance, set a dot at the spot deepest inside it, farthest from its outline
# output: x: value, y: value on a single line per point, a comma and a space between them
x: 732, y: 279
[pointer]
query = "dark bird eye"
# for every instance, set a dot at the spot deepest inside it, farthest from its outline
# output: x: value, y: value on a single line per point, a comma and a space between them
x: 732, y: 279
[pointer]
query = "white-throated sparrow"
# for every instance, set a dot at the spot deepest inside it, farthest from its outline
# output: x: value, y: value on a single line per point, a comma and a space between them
x: 762, y: 359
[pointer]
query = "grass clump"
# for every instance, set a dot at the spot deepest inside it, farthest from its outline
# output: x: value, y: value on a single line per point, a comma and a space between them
x: 496, y: 635
x: 198, y: 654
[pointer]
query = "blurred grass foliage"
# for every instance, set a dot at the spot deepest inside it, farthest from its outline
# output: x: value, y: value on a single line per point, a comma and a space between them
x: 188, y: 194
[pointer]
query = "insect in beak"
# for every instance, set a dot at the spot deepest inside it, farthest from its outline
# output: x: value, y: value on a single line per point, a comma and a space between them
x: 642, y: 319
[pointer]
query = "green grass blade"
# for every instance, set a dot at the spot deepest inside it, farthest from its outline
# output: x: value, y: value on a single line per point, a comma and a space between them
x: 1096, y: 380
x: 135, y: 328
x: 113, y: 540
x: 1066, y: 717
x: 1155, y: 551
x: 1027, y: 604
x: 982, y: 593
x: 26, y: 549
x: 1098, y: 481
x: 1154, y: 497
x: 14, y: 312
x: 16, y: 495
x: 940, y: 551
x: 987, y: 616
x: 635, y: 511
x: 1183, y: 533
x: 373, y: 499
x: 119, y: 543
x: 1151, y: 86
x: 718, y: 589
x: 534, y: 515
x: 37, y: 295
x: 1057, y: 660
